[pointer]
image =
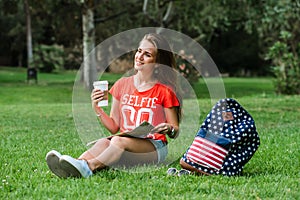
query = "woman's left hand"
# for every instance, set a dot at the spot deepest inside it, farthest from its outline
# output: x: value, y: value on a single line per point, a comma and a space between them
x: 163, y: 128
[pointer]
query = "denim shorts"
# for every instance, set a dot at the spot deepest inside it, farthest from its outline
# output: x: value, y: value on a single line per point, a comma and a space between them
x: 161, y: 149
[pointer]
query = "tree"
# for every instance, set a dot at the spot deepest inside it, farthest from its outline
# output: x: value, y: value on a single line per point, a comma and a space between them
x: 88, y: 30
x: 158, y: 12
x: 28, y: 34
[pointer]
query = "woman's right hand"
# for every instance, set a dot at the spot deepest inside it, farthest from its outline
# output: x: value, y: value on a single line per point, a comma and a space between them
x: 111, y: 123
x: 96, y: 96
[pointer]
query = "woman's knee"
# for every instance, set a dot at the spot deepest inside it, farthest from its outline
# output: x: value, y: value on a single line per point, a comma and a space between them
x: 102, y: 142
x: 119, y: 142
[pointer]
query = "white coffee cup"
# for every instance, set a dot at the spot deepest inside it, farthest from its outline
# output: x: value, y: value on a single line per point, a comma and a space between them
x: 102, y: 85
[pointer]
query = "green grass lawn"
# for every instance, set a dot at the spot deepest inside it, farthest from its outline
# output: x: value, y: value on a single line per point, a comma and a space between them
x: 37, y: 118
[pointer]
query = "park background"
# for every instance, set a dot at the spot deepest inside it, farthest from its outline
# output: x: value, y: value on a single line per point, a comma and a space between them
x: 255, y: 45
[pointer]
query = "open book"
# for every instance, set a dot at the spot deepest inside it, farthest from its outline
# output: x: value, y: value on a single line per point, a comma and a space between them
x: 140, y: 131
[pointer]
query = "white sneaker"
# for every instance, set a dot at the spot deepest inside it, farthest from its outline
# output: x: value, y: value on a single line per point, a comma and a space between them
x: 52, y: 159
x: 74, y: 167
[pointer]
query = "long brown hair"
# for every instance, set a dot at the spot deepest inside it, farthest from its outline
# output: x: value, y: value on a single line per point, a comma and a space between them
x: 165, y: 60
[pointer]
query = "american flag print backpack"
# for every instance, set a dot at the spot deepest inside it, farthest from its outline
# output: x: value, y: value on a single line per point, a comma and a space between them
x: 225, y: 142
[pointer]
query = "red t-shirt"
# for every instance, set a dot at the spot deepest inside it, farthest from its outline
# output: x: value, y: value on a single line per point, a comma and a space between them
x: 136, y: 107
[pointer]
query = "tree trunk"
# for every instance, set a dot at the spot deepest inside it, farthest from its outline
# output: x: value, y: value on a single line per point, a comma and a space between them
x: 28, y: 35
x: 89, y: 58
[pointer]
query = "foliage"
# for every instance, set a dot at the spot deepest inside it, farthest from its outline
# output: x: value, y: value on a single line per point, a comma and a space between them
x: 63, y: 28
x: 187, y: 70
x: 34, y: 120
x: 269, y: 18
x: 211, y: 23
x: 48, y: 58
x: 277, y: 24
x: 200, y: 19
x: 12, y: 35
x: 287, y: 65
x: 72, y: 57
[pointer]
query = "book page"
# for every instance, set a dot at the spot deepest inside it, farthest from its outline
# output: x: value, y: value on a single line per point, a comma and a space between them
x: 140, y: 132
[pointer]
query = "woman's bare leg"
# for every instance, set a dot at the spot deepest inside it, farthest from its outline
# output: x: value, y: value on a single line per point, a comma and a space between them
x: 119, y: 145
x: 96, y: 149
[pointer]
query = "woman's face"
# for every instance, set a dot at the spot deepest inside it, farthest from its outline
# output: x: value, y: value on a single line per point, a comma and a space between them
x: 145, y: 56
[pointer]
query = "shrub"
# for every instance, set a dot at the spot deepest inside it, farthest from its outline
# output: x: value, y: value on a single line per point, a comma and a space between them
x: 48, y: 58
x: 185, y: 66
x: 285, y: 58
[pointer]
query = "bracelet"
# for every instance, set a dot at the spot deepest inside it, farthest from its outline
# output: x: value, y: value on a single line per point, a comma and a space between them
x: 99, y: 114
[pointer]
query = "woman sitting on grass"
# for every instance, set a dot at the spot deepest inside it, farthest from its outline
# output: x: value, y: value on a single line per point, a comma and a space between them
x: 148, y: 95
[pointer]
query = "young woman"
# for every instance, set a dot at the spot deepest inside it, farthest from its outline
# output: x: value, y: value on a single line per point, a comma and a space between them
x: 151, y: 94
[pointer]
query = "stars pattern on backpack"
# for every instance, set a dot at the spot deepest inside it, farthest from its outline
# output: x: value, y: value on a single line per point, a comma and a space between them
x: 230, y: 120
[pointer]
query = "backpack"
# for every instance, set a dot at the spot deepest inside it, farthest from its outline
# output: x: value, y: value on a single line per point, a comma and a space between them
x: 225, y: 142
